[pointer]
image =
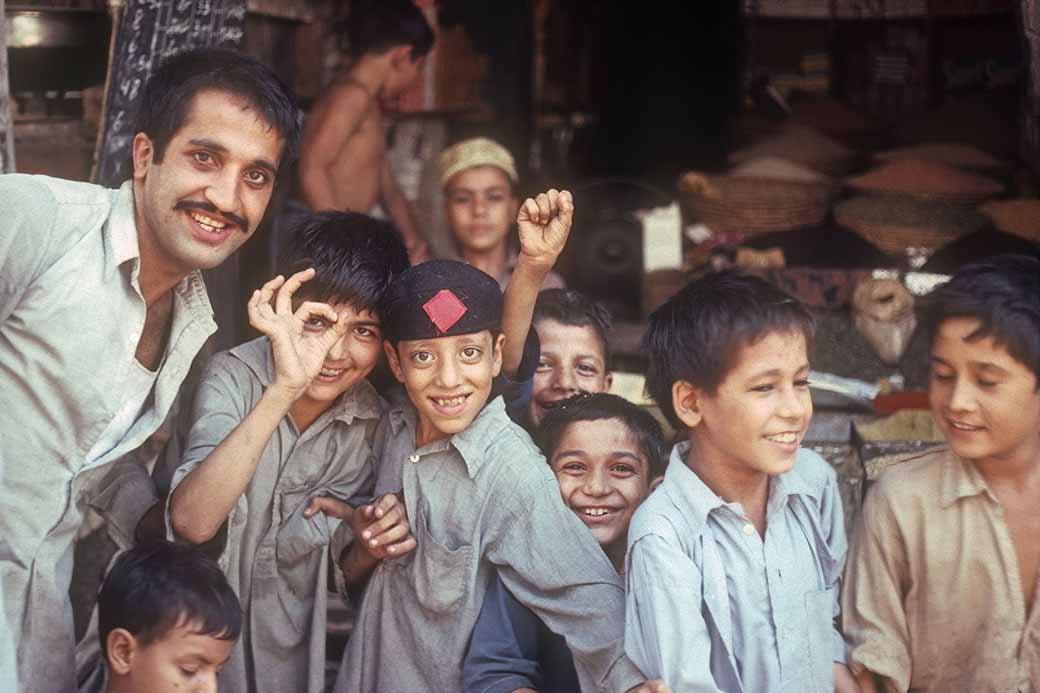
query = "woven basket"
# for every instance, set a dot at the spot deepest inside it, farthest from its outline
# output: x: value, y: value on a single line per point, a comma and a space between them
x: 894, y: 223
x: 1018, y: 217
x: 926, y: 180
x: 753, y: 205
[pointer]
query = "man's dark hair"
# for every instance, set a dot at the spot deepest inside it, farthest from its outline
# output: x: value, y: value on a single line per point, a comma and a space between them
x: 156, y: 587
x: 170, y: 91
x: 569, y: 307
x: 697, y: 333
x: 1003, y: 294
x: 354, y: 257
x: 589, y: 406
x: 376, y: 26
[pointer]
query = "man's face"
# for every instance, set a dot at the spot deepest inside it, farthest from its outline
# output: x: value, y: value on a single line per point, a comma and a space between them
x: 350, y: 359
x: 480, y: 207
x: 209, y: 193
x: 984, y: 400
x: 448, y: 379
x: 572, y: 360
x: 755, y: 420
x: 180, y: 662
x: 603, y: 476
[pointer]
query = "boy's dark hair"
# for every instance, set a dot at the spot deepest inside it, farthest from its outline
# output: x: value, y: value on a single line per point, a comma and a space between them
x: 354, y: 257
x: 1003, y: 294
x: 376, y: 26
x: 169, y: 93
x: 697, y: 333
x: 155, y: 587
x: 569, y: 307
x: 589, y: 406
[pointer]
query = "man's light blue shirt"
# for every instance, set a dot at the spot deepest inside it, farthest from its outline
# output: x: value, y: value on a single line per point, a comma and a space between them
x: 714, y: 606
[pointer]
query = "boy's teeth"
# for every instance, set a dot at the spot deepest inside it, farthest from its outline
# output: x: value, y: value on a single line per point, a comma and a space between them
x: 210, y: 224
x: 331, y: 372
x: 450, y: 401
x: 784, y: 437
x: 596, y: 512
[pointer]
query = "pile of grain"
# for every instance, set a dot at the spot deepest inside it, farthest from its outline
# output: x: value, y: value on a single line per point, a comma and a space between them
x: 775, y: 168
x: 953, y: 154
x: 894, y: 223
x: 801, y: 145
x: 928, y: 180
x: 1018, y: 217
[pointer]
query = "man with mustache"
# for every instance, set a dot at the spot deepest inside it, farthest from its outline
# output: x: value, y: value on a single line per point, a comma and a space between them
x: 103, y: 308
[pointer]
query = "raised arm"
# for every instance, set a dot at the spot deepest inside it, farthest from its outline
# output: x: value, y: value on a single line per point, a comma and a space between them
x: 205, y: 497
x: 400, y: 212
x: 326, y: 132
x: 544, y: 223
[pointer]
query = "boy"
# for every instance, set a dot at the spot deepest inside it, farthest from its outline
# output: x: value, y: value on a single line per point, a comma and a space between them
x: 281, y: 420
x: 604, y: 452
x: 343, y: 161
x: 940, y: 592
x: 103, y: 309
x: 479, y: 180
x: 575, y: 357
x: 477, y: 495
x: 734, y: 560
x: 167, y: 620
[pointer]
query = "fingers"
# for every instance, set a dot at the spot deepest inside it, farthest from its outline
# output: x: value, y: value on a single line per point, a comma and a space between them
x: 547, y: 205
x: 332, y: 507
x: 313, y: 309
x: 283, y: 303
x: 259, y: 306
x: 373, y: 532
x: 565, y: 205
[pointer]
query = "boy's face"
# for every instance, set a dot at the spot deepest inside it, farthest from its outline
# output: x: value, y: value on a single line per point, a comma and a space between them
x: 758, y: 415
x: 603, y: 476
x: 405, y: 73
x: 984, y: 400
x: 350, y: 359
x: 573, y: 360
x: 480, y: 206
x: 209, y: 193
x: 448, y: 379
x: 182, y: 661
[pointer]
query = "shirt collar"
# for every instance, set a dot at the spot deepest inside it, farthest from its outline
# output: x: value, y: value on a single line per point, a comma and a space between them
x: 960, y: 479
x: 472, y: 443
x: 120, y: 237
x: 359, y: 402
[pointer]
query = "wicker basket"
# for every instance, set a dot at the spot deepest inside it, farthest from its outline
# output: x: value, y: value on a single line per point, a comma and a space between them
x: 752, y: 205
x: 894, y: 223
x: 926, y: 180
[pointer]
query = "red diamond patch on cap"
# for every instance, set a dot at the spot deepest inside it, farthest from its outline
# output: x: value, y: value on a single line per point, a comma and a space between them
x: 445, y: 309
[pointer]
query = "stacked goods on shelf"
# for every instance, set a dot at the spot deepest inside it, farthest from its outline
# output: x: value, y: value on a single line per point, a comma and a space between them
x: 801, y: 145
x: 949, y: 153
x: 895, y: 223
x: 1018, y: 217
x: 926, y: 180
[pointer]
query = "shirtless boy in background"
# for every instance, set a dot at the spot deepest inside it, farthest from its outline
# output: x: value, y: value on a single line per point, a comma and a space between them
x: 343, y: 158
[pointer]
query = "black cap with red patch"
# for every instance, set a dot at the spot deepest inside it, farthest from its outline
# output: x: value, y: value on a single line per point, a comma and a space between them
x: 440, y: 298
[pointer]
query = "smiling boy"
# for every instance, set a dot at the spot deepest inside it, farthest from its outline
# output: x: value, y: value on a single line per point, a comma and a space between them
x: 282, y: 427
x: 942, y: 579
x: 102, y: 309
x: 733, y: 562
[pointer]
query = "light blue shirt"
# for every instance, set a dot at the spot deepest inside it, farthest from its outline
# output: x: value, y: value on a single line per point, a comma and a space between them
x: 713, y: 606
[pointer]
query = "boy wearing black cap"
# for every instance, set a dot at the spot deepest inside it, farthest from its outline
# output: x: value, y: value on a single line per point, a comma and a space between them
x: 478, y: 496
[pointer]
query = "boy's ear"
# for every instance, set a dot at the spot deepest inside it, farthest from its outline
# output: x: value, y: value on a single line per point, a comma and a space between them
x: 142, y: 153
x: 401, y: 55
x: 608, y: 380
x: 391, y: 358
x: 686, y: 402
x: 121, y: 646
x: 496, y: 354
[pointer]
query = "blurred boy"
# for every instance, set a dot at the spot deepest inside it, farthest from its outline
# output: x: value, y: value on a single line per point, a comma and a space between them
x: 941, y: 586
x: 477, y: 495
x: 343, y: 160
x: 604, y: 452
x: 282, y: 427
x: 574, y: 357
x: 480, y: 202
x: 167, y: 620
x: 733, y: 562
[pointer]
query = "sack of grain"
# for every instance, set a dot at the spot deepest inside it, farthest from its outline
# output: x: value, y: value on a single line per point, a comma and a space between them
x: 1018, y: 217
x: 926, y: 180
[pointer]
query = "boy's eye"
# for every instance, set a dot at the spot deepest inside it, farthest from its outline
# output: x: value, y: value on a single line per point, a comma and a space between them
x: 803, y: 382
x: 573, y: 467
x: 203, y: 157
x: 987, y: 383
x: 315, y: 323
x: 621, y: 469
x: 942, y: 377
x: 256, y: 178
x: 365, y: 332
x: 422, y: 357
x: 587, y: 369
x: 471, y: 353
x: 543, y: 365
x: 762, y: 388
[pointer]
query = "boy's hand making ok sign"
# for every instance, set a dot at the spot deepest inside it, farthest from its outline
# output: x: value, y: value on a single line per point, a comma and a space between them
x: 544, y: 222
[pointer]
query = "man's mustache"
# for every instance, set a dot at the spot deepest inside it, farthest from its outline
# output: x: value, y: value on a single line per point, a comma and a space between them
x: 204, y: 206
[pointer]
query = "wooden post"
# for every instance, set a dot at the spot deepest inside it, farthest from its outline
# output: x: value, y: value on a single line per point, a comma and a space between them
x: 6, y: 124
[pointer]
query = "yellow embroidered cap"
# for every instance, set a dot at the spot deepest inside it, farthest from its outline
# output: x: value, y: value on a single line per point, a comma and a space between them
x: 478, y: 151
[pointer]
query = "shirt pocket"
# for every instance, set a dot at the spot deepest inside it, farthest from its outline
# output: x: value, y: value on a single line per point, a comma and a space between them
x: 819, y: 620
x: 440, y: 572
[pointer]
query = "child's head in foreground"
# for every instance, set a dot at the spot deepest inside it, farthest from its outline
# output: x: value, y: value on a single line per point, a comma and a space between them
x: 395, y: 30
x: 572, y: 330
x: 354, y: 257
x: 605, y: 452
x: 984, y: 331
x: 442, y: 326
x: 167, y: 620
x: 729, y: 359
x: 479, y: 180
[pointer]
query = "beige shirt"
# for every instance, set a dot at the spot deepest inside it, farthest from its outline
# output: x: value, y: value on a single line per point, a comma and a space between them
x: 71, y: 315
x: 933, y: 599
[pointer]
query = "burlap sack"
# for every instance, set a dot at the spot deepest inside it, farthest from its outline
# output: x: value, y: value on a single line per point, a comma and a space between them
x: 883, y: 312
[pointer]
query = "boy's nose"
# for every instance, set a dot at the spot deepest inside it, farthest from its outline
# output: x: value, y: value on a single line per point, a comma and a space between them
x: 962, y: 397
x: 339, y: 350
x: 448, y: 374
x: 596, y: 484
x: 222, y: 192
x: 563, y: 379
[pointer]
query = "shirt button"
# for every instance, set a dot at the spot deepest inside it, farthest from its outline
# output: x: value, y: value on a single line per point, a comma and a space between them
x: 413, y: 457
x: 749, y: 529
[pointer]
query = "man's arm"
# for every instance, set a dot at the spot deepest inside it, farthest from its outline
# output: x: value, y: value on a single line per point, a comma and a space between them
x: 324, y: 135
x: 399, y: 209
x: 503, y: 650
x: 544, y: 223
x: 29, y: 216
